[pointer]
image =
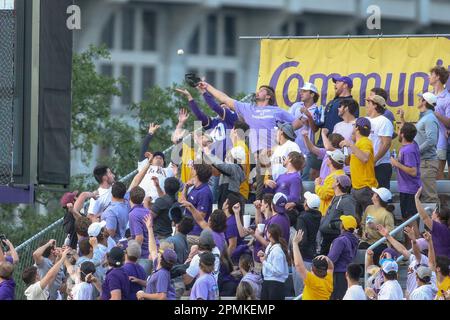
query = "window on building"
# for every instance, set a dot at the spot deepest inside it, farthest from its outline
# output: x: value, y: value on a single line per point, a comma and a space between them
x: 148, y: 79
x: 211, y: 77
x: 230, y: 36
x: 107, y: 36
x: 229, y: 82
x: 194, y: 42
x: 284, y: 29
x: 127, y: 89
x: 149, y: 30
x: 128, y: 20
x: 299, y: 28
x: 211, y: 35
x: 106, y: 70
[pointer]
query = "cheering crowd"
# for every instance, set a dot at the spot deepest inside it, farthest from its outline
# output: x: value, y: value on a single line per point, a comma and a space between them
x: 159, y: 237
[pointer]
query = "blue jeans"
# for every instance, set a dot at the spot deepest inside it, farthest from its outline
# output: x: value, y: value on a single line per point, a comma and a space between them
x: 214, y: 186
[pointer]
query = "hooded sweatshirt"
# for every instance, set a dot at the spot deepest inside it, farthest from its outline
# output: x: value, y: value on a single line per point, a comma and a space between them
x: 340, y: 205
x: 309, y: 222
x: 255, y: 281
x: 343, y: 250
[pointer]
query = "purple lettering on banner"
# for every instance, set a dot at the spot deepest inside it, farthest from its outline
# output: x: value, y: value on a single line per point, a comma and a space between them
x: 400, y: 90
x: 364, y: 82
x: 412, y: 83
x: 276, y: 75
x: 325, y: 79
x: 286, y: 88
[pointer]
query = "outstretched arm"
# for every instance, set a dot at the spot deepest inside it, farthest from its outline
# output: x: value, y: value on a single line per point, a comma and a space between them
x: 298, y: 260
x: 423, y: 214
x: 311, y: 147
x: 141, y: 174
x: 198, y: 215
x: 219, y: 95
x: 194, y: 107
x: 152, y: 248
x: 53, y: 272
x: 146, y: 141
x: 397, y: 245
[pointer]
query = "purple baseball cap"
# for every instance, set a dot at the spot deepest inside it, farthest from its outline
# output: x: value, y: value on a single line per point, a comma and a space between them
x: 394, y: 254
x: 344, y: 79
x: 170, y: 256
x: 344, y: 181
x: 363, y: 123
x: 279, y: 201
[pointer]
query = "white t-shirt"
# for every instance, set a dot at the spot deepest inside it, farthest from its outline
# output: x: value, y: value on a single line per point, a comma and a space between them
x: 194, y: 267
x: 295, y: 111
x: 154, y: 171
x: 280, y: 154
x: 425, y: 292
x: 411, y: 282
x: 35, y: 292
x: 83, y: 291
x: 381, y: 127
x: 345, y: 129
x: 390, y: 290
x: 97, y: 207
x: 355, y: 292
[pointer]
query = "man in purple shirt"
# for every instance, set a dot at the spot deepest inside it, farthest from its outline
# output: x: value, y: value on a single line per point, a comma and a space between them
x: 137, y: 225
x: 199, y: 195
x: 438, y: 78
x: 205, y: 287
x: 135, y: 272
x: 342, y: 252
x: 279, y: 204
x: 116, y: 285
x: 408, y: 172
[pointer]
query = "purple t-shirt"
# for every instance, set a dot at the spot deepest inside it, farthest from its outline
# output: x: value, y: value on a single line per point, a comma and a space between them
x: 138, y: 227
x: 7, y: 290
x: 159, y: 282
x: 262, y: 121
x: 443, y: 108
x: 219, y: 240
x: 232, y: 230
x: 290, y: 184
x: 441, y: 239
x: 134, y: 270
x: 116, y: 279
x: 202, y: 199
x: 205, y: 288
x: 410, y: 157
x: 281, y: 220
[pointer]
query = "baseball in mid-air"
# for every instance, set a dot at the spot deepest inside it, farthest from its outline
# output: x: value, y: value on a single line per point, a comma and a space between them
x: 180, y: 52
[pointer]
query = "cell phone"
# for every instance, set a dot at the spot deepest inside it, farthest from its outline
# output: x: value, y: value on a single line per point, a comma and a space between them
x: 5, y: 247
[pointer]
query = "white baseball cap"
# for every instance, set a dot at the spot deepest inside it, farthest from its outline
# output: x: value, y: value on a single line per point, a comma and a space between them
x: 309, y: 86
x: 312, y: 200
x: 383, y: 193
x: 337, y: 156
x: 389, y: 266
x: 238, y: 153
x: 95, y: 228
x: 429, y: 97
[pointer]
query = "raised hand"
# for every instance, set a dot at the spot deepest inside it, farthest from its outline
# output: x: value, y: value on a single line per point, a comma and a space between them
x: 427, y: 236
x: 148, y: 222
x: 271, y: 184
x: 153, y: 128
x: 418, y: 193
x: 183, y: 116
x: 156, y: 182
x: 410, y: 232
x: 184, y: 92
x: 382, y: 230
x: 298, y: 236
x: 237, y: 209
x: 257, y: 204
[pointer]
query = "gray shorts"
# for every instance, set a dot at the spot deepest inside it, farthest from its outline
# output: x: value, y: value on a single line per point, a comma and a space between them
x: 442, y: 154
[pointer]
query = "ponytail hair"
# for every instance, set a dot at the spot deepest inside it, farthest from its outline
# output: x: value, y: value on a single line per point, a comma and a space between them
x: 275, y: 232
x: 387, y: 206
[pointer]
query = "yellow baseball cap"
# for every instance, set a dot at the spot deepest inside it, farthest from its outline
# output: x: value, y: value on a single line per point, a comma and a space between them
x: 349, y: 222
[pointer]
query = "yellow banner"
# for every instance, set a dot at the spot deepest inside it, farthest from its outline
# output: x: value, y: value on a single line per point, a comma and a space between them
x: 399, y: 65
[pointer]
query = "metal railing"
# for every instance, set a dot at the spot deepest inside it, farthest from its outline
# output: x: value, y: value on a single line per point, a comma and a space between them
x: 26, y: 249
